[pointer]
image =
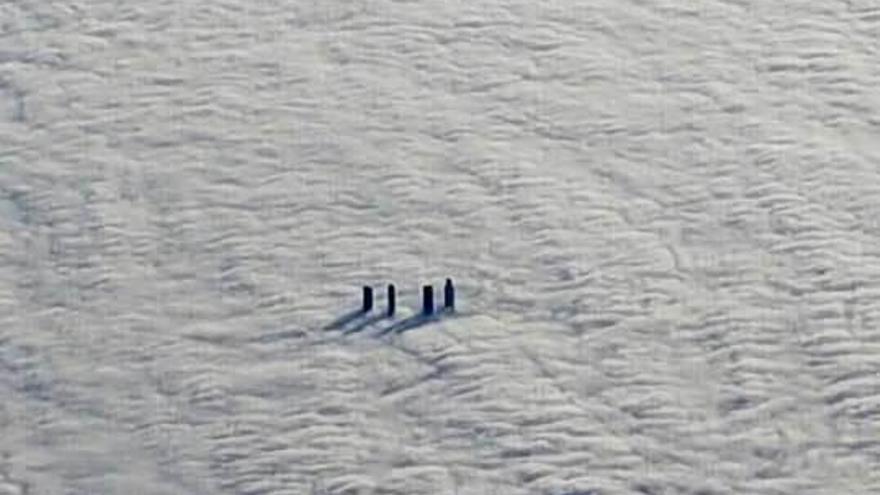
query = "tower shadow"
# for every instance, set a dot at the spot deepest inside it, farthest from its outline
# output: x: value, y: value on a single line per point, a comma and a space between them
x: 410, y: 323
x: 344, y: 319
x: 364, y: 324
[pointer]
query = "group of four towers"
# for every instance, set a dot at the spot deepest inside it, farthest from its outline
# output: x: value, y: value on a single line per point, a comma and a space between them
x: 427, y: 298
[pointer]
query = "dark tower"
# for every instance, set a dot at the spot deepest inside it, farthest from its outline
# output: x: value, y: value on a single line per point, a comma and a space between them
x: 428, y: 300
x: 392, y: 299
x: 368, y: 299
x: 449, y: 295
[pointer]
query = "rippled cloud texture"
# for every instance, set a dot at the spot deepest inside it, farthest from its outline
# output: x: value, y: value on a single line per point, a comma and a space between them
x: 661, y: 216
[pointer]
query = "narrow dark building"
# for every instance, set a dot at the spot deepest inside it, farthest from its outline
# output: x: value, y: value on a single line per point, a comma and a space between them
x: 368, y: 299
x: 428, y: 300
x: 392, y: 299
x: 449, y: 295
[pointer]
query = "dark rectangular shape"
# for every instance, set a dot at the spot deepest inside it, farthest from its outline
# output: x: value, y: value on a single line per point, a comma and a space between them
x: 449, y: 295
x: 427, y: 300
x: 392, y: 299
x: 368, y: 299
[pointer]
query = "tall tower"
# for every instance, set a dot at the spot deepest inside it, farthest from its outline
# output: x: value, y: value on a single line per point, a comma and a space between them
x: 428, y: 300
x: 392, y: 299
x: 449, y: 295
x: 368, y: 299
